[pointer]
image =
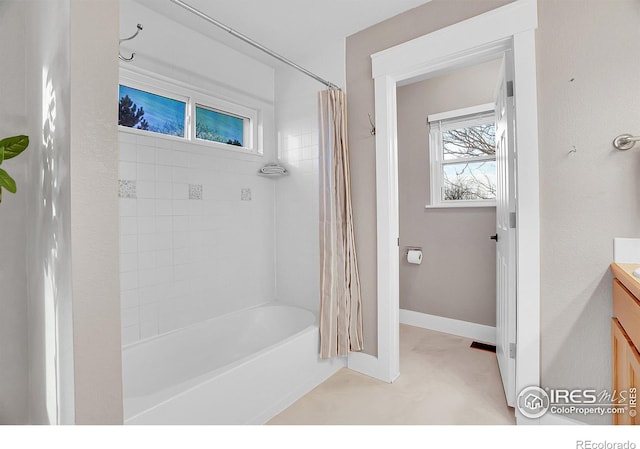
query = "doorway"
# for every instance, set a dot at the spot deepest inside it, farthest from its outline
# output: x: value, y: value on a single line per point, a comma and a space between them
x: 510, y: 28
x: 447, y: 201
x: 447, y: 190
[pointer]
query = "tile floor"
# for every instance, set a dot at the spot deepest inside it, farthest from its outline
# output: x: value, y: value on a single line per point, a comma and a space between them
x: 442, y: 381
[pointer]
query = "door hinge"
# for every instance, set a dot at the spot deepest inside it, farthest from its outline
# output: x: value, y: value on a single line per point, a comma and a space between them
x: 509, y: 88
x: 512, y: 350
x: 398, y: 242
x: 512, y: 220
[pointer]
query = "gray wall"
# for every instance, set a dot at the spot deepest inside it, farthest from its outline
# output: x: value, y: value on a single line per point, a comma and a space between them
x: 47, y: 248
x: 424, y: 19
x: 453, y: 240
x: 34, y: 242
x: 591, y: 196
x: 13, y: 211
x: 587, y: 197
x: 48, y: 372
x: 93, y: 44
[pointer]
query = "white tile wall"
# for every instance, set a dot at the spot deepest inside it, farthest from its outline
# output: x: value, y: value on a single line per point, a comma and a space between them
x: 297, y: 242
x: 297, y: 226
x: 184, y: 261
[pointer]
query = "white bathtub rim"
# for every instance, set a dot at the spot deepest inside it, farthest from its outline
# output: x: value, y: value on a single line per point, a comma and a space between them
x: 166, y: 394
x: 188, y: 385
x: 191, y: 384
x: 226, y: 315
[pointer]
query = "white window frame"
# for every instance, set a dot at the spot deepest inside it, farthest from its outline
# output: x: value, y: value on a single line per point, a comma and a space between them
x: 439, y: 123
x: 250, y: 131
x: 163, y: 91
x: 192, y: 96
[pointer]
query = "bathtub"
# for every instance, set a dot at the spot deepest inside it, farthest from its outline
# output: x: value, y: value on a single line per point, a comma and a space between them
x: 241, y: 368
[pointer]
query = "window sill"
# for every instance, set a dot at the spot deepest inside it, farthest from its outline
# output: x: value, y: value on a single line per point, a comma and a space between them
x: 461, y: 205
x: 202, y: 144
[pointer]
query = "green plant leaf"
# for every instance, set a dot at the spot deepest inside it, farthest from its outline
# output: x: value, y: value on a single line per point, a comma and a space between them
x: 1, y: 156
x: 7, y: 181
x: 13, y: 146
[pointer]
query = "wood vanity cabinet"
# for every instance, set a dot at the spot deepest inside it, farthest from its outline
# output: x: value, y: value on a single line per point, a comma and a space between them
x: 626, y: 338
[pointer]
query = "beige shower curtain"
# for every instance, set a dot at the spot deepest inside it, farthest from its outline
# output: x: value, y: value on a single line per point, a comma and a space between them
x: 340, y: 301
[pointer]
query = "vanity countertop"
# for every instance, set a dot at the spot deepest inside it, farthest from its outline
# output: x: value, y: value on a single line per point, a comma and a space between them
x: 624, y: 273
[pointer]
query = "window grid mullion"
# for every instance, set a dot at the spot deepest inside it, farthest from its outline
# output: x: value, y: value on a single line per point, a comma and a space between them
x: 463, y: 160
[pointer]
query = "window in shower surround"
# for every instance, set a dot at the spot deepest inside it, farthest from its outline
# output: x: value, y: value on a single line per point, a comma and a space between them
x: 462, y: 157
x: 218, y: 126
x: 173, y: 109
x: 148, y: 111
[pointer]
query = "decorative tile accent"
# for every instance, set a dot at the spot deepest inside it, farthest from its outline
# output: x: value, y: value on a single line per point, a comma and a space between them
x: 245, y: 194
x: 127, y: 189
x: 195, y: 191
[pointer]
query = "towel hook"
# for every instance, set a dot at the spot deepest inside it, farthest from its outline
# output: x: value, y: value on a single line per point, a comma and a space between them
x: 130, y: 58
x: 373, y: 127
x: 625, y: 141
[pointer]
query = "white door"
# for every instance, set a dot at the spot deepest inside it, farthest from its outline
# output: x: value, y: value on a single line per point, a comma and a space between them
x: 505, y: 232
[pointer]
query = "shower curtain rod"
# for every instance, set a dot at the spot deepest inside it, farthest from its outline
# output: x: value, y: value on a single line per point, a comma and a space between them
x: 253, y: 43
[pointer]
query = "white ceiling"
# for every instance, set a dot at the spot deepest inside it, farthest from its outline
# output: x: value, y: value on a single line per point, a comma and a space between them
x: 293, y: 28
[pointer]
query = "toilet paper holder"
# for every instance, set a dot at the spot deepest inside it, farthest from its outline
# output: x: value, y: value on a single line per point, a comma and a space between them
x: 411, y: 248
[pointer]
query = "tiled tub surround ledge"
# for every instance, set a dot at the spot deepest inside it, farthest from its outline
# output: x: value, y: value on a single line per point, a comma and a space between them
x: 240, y: 368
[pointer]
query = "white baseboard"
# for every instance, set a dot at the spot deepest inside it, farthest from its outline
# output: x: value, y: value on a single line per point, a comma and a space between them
x: 371, y: 366
x: 466, y: 329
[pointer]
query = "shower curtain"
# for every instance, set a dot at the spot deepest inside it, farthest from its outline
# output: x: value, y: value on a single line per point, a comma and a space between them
x: 340, y: 300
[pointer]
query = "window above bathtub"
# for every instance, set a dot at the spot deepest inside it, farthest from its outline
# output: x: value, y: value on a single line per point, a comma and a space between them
x: 218, y: 126
x: 152, y: 112
x: 150, y: 105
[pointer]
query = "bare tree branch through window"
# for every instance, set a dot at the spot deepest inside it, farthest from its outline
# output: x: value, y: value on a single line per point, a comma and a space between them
x: 469, y: 180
